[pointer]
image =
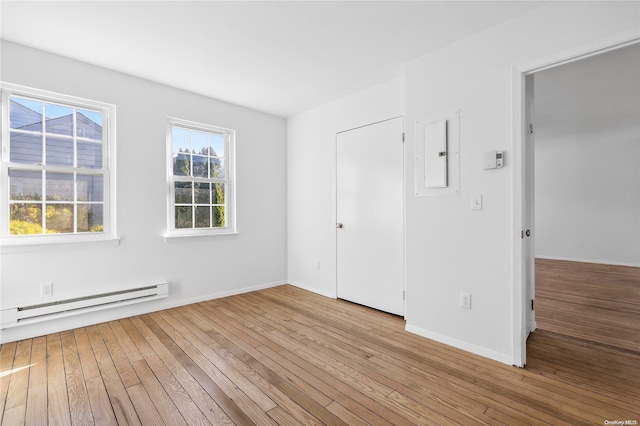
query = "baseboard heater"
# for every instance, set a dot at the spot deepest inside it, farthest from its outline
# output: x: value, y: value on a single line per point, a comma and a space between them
x: 22, y: 315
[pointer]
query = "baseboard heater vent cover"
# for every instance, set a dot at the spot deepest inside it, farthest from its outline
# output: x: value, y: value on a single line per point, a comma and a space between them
x: 12, y: 317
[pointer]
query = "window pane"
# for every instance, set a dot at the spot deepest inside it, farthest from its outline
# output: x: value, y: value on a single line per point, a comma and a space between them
x: 183, y: 193
x: 89, y: 124
x: 218, y: 217
x: 203, y: 217
x: 59, y: 187
x: 200, y: 166
x: 218, y: 193
x: 90, y: 155
x: 217, y: 168
x: 59, y: 218
x: 199, y: 143
x: 59, y: 119
x: 181, y: 139
x: 59, y: 151
x: 90, y: 187
x: 183, y: 217
x: 25, y: 219
x: 202, y: 193
x: 25, y: 185
x: 90, y: 218
x: 217, y: 145
x: 181, y: 166
x: 25, y: 114
x: 25, y: 148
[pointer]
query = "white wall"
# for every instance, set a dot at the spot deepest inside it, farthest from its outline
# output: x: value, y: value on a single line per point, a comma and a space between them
x: 312, y: 178
x: 195, y: 269
x: 587, y: 143
x: 451, y: 248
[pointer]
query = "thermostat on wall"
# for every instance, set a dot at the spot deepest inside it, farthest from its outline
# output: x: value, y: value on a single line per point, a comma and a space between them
x: 493, y: 160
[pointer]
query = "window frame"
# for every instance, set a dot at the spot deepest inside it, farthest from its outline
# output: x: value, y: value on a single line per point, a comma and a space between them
x: 229, y: 180
x: 107, y: 170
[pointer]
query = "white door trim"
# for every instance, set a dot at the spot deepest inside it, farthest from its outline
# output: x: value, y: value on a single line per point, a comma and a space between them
x: 519, y: 291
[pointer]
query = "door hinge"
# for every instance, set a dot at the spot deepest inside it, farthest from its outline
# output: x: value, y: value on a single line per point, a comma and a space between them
x: 402, y: 137
x: 532, y: 305
x: 530, y: 128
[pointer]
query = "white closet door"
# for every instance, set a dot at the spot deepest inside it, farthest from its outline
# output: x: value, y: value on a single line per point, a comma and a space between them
x: 370, y: 247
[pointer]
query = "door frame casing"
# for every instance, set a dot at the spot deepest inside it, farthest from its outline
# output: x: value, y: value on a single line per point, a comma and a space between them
x: 353, y: 126
x: 520, y: 304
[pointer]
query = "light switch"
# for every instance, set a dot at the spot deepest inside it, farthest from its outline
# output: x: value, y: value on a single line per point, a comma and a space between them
x: 476, y: 202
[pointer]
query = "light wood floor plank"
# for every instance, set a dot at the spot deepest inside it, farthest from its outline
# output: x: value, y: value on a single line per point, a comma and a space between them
x: 181, y: 372
x: 228, y: 378
x: 15, y: 415
x: 284, y: 356
x: 119, y: 358
x: 7, y: 353
x: 159, y: 397
x: 286, y: 359
x: 345, y: 414
x: 281, y: 417
x: 171, y: 385
x: 234, y: 341
x: 128, y: 346
x: 57, y: 395
x: 36, y: 413
x: 19, y: 379
x: 368, y: 341
x: 79, y: 405
x: 87, y: 358
x: 214, y: 381
x: 282, y: 392
x: 146, y: 410
x: 463, y: 410
x: 120, y: 401
x: 101, y: 408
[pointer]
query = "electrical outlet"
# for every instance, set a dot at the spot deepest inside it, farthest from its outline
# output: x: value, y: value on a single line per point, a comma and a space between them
x: 317, y: 263
x: 465, y: 300
x: 46, y: 289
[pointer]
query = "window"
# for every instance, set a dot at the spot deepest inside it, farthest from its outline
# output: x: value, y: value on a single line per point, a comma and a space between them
x: 56, y: 168
x: 200, y: 170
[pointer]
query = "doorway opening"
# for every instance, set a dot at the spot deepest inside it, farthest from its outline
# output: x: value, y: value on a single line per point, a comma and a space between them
x: 581, y: 180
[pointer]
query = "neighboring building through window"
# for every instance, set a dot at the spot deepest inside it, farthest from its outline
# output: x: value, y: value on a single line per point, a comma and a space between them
x: 56, y: 167
x: 200, y: 170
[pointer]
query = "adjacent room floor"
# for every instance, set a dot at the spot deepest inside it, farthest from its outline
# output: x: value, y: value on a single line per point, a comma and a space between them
x: 590, y: 302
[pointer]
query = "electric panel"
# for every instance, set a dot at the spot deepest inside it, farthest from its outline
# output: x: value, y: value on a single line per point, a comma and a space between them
x: 435, y: 154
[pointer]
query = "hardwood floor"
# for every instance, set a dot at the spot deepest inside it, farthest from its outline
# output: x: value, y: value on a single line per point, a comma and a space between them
x: 592, y: 302
x: 286, y: 356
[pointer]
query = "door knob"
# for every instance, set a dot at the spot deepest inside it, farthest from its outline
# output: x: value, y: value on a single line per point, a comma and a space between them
x: 339, y: 225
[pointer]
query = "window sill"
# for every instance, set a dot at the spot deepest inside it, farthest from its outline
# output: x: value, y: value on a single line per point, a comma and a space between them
x: 183, y: 238
x: 11, y: 246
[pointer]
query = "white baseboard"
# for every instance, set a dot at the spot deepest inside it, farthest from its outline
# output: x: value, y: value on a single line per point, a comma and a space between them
x: 84, y: 320
x: 316, y: 290
x: 475, y: 349
x: 601, y: 262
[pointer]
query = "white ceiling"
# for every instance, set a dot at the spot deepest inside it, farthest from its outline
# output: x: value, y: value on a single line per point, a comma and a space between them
x: 281, y: 57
